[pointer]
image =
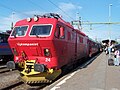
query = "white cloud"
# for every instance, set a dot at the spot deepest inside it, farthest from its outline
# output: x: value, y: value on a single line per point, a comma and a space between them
x: 68, y: 6
x: 6, y: 22
x: 68, y: 10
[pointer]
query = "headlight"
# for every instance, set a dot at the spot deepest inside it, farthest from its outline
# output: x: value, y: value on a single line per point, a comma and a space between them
x: 29, y: 19
x: 36, y: 18
x: 47, y: 52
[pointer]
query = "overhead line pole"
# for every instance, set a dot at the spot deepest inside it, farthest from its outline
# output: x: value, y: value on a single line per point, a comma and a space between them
x: 95, y: 23
x: 110, y: 5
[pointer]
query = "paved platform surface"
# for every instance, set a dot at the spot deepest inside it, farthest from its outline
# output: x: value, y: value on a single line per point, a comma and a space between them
x: 95, y: 76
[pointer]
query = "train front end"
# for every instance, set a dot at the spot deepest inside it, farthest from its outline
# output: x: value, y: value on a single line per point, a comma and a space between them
x: 31, y: 42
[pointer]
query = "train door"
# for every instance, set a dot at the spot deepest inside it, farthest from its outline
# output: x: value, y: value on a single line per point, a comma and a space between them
x: 60, y: 44
x: 86, y: 46
x: 76, y: 45
x: 70, y: 39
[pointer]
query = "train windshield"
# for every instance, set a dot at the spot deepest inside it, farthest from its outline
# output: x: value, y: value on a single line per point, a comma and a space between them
x: 41, y: 30
x: 19, y: 31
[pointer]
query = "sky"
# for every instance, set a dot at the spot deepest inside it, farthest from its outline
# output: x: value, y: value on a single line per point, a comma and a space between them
x: 89, y: 10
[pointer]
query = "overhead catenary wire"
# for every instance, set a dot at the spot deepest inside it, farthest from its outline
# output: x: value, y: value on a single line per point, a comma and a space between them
x: 61, y: 10
x: 78, y: 17
x: 95, y: 27
x: 4, y: 6
x: 77, y: 9
x: 10, y: 9
x: 37, y: 5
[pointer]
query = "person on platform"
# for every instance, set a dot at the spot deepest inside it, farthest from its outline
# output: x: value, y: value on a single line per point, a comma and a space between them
x: 117, y: 57
x: 106, y: 50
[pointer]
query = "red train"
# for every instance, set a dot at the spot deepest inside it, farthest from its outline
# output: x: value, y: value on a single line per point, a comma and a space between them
x: 43, y: 45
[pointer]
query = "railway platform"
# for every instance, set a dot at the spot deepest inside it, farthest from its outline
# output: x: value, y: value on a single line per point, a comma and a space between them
x: 97, y: 75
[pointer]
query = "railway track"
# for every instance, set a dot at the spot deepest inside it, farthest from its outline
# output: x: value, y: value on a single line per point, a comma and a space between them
x: 4, y: 69
x: 16, y: 84
x: 3, y: 66
x: 19, y: 85
x: 9, y: 80
x: 12, y: 85
x: 27, y: 87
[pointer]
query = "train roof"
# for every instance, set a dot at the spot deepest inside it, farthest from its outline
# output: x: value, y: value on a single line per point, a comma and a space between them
x: 117, y: 46
x: 4, y: 33
x: 78, y: 31
x: 45, y: 16
x: 66, y: 23
x: 7, y: 32
x: 107, y: 41
x: 52, y: 16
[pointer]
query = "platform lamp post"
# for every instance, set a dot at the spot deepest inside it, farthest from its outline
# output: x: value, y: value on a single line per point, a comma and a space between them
x: 110, y: 5
x: 12, y: 20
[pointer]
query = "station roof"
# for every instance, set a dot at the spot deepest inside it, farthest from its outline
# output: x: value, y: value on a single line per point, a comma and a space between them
x: 107, y: 41
x: 117, y: 46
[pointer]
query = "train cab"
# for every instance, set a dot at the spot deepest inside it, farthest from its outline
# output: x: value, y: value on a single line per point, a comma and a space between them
x: 39, y: 45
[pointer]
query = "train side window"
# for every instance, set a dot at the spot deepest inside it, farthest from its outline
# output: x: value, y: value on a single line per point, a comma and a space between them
x: 80, y: 39
x: 72, y: 36
x: 59, y: 33
x: 69, y: 35
x: 3, y: 38
x: 62, y: 33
